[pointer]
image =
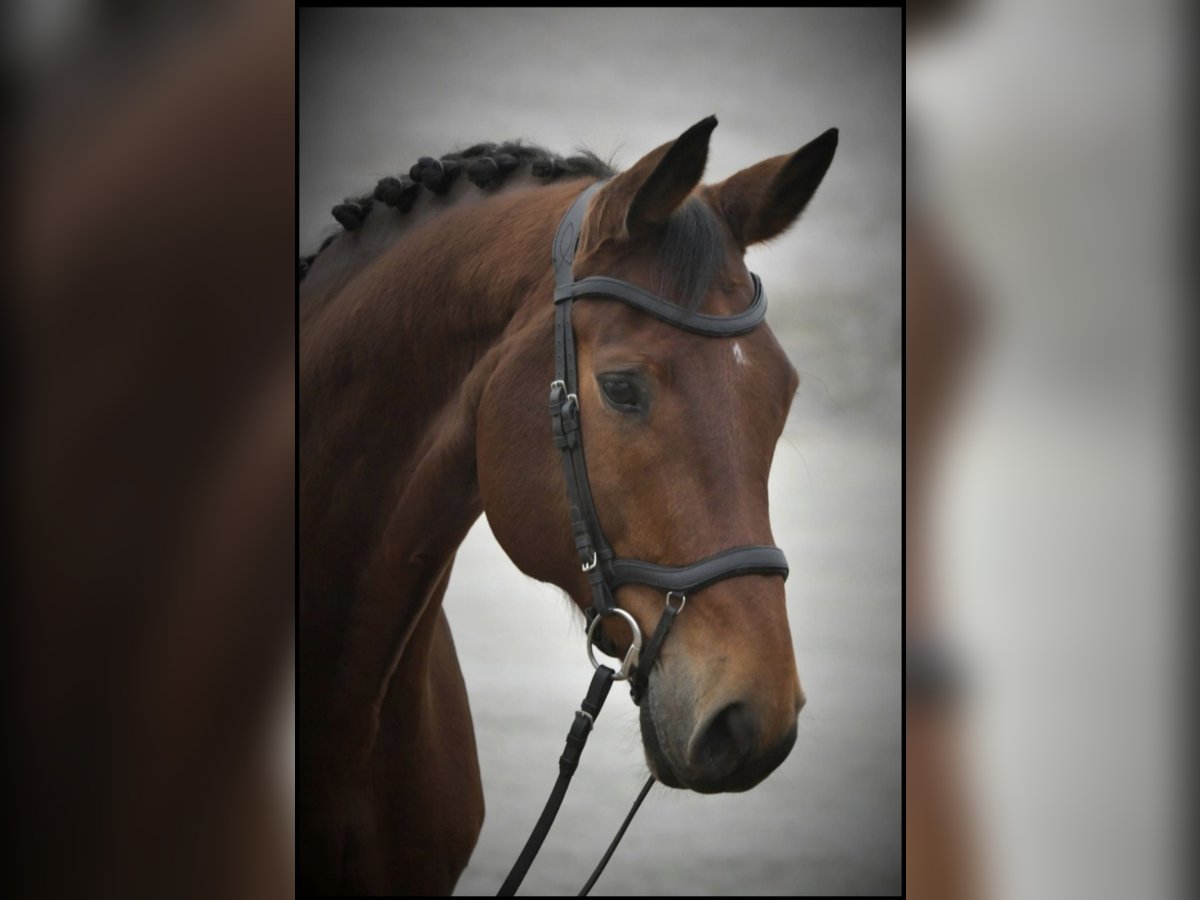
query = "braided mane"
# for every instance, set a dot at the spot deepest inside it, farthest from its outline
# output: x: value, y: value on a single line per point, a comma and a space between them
x: 486, y: 165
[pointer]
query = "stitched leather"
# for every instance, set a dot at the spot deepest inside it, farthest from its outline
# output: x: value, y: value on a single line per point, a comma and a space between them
x: 671, y: 313
x: 752, y: 560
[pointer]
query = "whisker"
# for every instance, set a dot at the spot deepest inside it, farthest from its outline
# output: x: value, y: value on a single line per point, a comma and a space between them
x: 821, y: 381
x: 807, y: 470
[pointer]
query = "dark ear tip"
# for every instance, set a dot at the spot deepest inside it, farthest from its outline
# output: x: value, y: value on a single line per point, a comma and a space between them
x: 822, y: 146
x: 699, y: 132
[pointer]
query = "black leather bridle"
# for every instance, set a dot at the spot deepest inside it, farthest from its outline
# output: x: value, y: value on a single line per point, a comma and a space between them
x: 605, y: 571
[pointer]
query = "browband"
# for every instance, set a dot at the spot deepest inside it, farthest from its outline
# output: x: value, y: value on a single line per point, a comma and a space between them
x: 671, y: 313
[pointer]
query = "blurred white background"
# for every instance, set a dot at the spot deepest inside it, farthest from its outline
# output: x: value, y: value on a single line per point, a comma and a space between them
x: 380, y: 88
x: 1050, y: 140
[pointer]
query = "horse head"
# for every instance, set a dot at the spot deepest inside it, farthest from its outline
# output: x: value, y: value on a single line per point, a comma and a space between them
x: 680, y: 430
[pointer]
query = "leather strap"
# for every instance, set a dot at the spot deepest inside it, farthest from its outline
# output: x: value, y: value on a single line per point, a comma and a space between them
x: 752, y: 560
x: 566, y: 239
x: 640, y: 680
x: 671, y: 313
x: 581, y: 727
x: 616, y: 840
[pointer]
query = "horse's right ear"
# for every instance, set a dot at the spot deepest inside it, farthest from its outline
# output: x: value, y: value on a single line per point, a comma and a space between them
x: 642, y: 199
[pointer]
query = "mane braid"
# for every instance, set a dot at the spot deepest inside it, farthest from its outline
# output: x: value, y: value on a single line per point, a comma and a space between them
x: 486, y: 165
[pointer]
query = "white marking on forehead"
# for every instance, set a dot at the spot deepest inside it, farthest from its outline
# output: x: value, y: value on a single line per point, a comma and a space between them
x: 739, y: 356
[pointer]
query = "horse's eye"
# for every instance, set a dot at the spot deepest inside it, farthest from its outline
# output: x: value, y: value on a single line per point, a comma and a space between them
x: 620, y: 392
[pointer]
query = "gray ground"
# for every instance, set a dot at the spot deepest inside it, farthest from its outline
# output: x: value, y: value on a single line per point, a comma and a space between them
x: 380, y: 88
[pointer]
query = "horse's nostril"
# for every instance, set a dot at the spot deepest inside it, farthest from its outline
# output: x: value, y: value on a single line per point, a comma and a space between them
x: 724, y: 743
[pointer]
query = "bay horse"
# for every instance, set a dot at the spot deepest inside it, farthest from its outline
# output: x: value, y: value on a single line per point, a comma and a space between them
x: 426, y: 349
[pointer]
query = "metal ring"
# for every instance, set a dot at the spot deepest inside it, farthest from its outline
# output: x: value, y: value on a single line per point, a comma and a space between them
x: 631, y: 656
x: 682, y: 600
x: 591, y: 564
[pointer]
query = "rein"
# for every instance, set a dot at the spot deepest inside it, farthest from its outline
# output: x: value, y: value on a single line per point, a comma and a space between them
x: 605, y: 571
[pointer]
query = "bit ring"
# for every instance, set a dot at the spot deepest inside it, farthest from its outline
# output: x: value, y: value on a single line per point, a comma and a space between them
x: 631, y: 656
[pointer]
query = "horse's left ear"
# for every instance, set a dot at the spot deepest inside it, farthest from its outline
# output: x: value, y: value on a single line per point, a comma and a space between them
x: 641, y: 199
x: 760, y: 202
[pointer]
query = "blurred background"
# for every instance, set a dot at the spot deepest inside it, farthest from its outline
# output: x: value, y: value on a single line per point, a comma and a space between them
x: 1047, y: 142
x: 381, y: 88
x: 149, y: 448
x: 150, y: 333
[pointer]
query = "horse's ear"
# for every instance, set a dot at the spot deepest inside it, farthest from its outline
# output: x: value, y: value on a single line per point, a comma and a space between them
x: 643, y: 198
x: 762, y: 201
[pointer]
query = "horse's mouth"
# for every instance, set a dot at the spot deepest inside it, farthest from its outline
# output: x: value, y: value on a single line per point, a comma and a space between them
x: 676, y: 775
x: 656, y: 759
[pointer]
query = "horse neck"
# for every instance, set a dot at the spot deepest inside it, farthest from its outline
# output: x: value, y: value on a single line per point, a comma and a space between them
x: 391, y: 372
x: 429, y: 306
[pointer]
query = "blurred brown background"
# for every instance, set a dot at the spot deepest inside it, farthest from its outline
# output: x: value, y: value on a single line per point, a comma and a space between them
x: 151, y: 452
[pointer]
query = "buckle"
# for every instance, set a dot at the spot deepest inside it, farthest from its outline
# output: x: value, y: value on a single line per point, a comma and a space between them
x: 564, y: 410
x: 570, y: 407
x: 560, y: 400
x: 584, y: 714
x: 557, y: 390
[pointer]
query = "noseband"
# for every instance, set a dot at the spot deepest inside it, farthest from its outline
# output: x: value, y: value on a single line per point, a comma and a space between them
x: 605, y: 571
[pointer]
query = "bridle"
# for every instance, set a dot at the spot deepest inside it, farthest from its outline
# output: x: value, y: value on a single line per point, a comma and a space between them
x: 605, y: 571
